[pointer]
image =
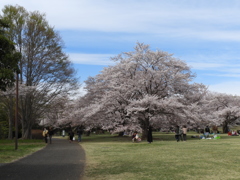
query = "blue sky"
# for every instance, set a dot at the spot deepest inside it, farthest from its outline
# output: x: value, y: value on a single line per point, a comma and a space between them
x: 205, y: 34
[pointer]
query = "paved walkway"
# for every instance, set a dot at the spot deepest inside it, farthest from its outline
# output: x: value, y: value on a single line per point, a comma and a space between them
x: 60, y: 160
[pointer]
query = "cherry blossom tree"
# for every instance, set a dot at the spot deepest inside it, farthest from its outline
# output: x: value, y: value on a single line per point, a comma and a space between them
x: 145, y: 88
x: 225, y: 109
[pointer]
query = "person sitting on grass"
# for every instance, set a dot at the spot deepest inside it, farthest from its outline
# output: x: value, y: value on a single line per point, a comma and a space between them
x: 206, y: 134
x: 135, y: 137
x: 234, y: 133
x: 229, y: 133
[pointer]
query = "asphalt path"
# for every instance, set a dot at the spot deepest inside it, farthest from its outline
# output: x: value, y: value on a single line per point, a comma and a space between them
x: 60, y: 160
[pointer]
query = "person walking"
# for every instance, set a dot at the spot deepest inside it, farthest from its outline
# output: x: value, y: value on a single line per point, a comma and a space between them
x: 45, y: 135
x: 184, y: 130
x: 180, y: 134
x: 63, y: 133
x: 71, y: 135
x: 149, y: 137
x: 50, y: 133
x: 79, y: 133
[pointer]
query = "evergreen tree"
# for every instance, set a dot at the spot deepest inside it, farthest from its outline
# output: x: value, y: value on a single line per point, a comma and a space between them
x: 8, y: 58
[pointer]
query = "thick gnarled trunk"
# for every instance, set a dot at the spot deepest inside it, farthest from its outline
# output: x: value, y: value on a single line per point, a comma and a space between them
x: 145, y: 125
x: 225, y: 127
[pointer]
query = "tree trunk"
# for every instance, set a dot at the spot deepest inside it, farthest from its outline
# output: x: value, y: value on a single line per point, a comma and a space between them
x: 144, y: 133
x: 88, y: 133
x: 145, y: 126
x: 10, y: 118
x: 225, y: 127
x: 27, y: 133
x: 10, y: 129
x: 120, y: 133
x: 27, y: 115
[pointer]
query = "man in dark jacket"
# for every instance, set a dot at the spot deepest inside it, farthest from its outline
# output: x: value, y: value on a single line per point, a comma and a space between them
x: 178, y: 133
x: 71, y: 135
x: 50, y: 132
x: 207, y: 129
x: 149, y: 137
x: 79, y: 133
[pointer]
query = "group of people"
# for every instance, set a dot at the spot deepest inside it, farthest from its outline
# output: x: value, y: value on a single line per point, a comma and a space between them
x: 48, y: 133
x: 205, y: 133
x: 233, y: 133
x: 79, y: 133
x: 181, y: 133
x: 136, y: 138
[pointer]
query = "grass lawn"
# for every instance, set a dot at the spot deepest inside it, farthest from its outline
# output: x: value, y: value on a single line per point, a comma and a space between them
x: 117, y: 158
x: 25, y: 147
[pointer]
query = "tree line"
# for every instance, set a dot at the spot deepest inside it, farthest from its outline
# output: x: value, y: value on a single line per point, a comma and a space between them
x: 148, y: 88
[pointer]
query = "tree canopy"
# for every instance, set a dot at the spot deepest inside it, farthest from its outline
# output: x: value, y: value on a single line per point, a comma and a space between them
x: 145, y: 88
x: 9, y: 58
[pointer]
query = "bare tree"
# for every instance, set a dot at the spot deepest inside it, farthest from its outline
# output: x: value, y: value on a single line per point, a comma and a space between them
x: 44, y: 65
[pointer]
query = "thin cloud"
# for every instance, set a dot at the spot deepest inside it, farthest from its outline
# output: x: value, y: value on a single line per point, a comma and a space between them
x: 203, y: 33
x: 231, y: 75
x: 205, y: 66
x: 231, y: 87
x: 91, y: 59
x: 205, y: 20
x: 220, y: 62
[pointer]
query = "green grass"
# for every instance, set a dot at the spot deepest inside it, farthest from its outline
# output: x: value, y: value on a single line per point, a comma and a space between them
x: 25, y: 147
x: 115, y: 158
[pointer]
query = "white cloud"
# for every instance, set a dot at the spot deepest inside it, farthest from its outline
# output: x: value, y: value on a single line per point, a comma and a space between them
x: 204, y: 66
x: 92, y: 59
x: 187, y: 18
x: 156, y: 22
x: 228, y: 62
x: 230, y: 87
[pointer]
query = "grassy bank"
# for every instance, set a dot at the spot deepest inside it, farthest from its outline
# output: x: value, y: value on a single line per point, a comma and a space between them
x: 115, y: 158
x: 25, y: 147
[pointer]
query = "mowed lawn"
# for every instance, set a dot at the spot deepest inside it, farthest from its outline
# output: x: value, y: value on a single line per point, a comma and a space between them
x: 110, y: 157
x: 25, y: 147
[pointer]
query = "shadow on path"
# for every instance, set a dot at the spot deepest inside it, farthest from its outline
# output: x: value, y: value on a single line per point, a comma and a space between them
x: 60, y: 160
